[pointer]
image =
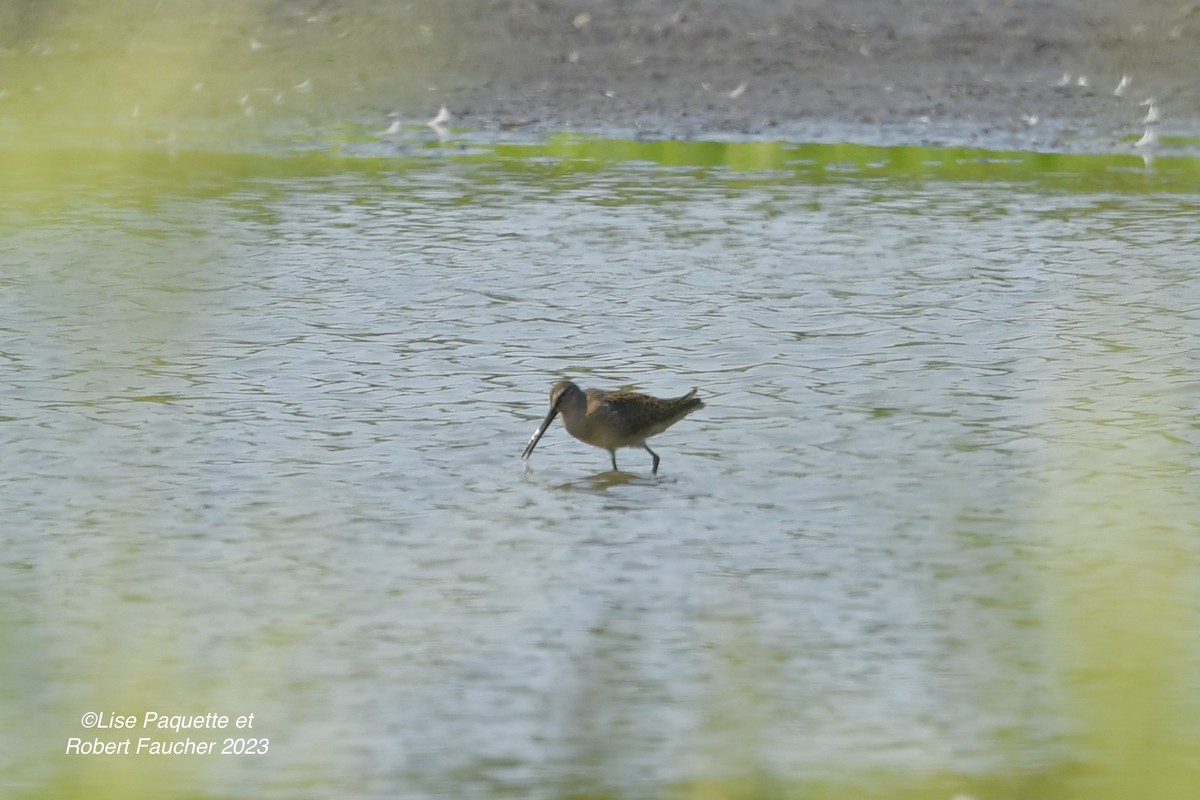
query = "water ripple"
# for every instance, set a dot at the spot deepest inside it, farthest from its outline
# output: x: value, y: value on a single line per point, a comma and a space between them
x: 295, y: 414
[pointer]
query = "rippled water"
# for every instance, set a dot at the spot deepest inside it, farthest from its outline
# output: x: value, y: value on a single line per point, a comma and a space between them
x: 262, y: 424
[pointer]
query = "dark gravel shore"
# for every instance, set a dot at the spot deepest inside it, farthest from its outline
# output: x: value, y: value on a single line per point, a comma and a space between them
x: 697, y: 67
x: 1026, y: 73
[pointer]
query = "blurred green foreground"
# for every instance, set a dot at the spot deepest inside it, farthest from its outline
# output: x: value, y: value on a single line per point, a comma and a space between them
x: 124, y: 77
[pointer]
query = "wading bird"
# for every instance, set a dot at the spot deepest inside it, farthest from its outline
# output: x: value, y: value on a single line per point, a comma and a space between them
x: 613, y: 419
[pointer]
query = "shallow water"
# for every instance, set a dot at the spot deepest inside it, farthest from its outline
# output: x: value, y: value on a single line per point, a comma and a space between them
x: 263, y: 418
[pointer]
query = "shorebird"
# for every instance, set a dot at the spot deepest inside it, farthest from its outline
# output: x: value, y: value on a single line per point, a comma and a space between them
x: 613, y: 419
x: 439, y: 122
x: 1149, y: 138
x: 1153, y: 115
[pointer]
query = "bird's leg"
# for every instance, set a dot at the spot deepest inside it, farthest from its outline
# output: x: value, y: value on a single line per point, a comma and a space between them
x: 653, y: 455
x: 613, y: 455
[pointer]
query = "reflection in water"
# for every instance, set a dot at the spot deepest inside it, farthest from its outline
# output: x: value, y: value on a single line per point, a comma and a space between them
x: 263, y: 437
x: 603, y: 481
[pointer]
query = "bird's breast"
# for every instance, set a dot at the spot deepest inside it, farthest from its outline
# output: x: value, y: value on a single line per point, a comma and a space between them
x: 595, y: 428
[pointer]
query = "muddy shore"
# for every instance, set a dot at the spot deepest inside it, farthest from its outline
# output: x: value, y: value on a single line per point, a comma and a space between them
x: 704, y: 67
x: 1017, y: 73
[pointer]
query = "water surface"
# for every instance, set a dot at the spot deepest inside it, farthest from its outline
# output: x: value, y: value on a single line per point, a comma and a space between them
x: 933, y: 531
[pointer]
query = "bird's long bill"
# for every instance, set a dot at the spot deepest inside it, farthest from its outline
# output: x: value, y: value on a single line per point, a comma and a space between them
x: 541, y: 429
